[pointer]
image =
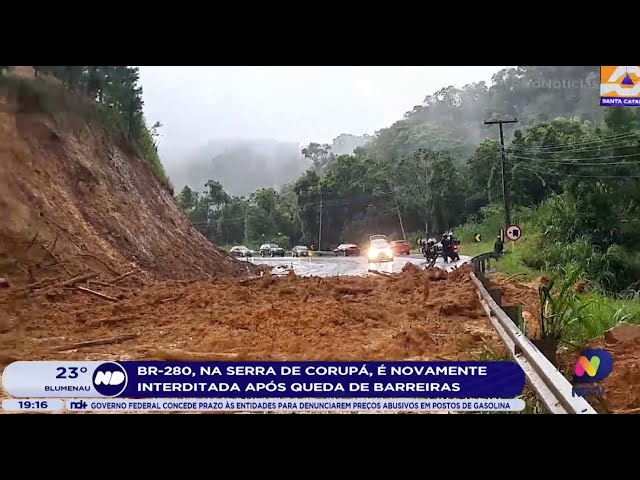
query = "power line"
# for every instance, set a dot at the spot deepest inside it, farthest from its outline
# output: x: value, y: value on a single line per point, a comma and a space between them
x: 559, y: 174
x: 594, y: 141
x: 583, y: 164
x: 576, y: 159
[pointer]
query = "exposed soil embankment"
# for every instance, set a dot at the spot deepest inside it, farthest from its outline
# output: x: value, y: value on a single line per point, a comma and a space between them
x: 74, y: 198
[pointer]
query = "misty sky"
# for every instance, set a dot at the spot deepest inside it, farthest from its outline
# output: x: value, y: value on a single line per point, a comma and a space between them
x: 299, y: 104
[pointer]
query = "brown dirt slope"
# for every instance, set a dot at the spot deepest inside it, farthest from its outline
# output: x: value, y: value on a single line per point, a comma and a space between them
x: 68, y: 186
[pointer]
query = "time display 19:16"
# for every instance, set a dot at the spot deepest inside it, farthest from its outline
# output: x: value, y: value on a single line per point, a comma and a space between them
x: 35, y: 404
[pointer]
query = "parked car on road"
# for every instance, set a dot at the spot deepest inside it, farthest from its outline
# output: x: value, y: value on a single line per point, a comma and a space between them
x: 300, y: 251
x: 241, y: 251
x: 271, y: 250
x: 347, y: 249
x: 401, y: 247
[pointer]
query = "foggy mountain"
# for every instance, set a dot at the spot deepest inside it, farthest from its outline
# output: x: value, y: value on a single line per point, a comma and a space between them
x: 243, y: 166
x: 346, y: 143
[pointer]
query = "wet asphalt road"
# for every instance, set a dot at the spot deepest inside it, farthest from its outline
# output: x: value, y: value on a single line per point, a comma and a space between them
x: 354, y: 266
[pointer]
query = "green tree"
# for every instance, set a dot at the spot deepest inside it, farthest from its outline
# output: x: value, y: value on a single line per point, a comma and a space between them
x: 319, y: 154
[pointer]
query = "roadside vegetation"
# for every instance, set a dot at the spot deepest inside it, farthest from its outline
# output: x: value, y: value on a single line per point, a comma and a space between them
x: 573, y: 183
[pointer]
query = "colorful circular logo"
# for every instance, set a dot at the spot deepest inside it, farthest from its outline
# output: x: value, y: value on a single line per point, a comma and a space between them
x: 594, y: 365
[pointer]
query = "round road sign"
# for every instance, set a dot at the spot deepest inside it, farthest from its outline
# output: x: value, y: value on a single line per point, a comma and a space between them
x: 513, y: 232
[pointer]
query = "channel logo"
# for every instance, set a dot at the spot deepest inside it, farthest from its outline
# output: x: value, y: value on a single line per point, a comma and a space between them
x: 77, y: 405
x: 620, y: 86
x: 594, y: 365
x: 110, y: 379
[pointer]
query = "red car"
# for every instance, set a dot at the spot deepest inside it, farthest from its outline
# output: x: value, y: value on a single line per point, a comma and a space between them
x: 401, y: 247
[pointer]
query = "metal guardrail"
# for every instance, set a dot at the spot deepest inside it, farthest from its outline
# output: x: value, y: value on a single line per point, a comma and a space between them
x: 551, y: 387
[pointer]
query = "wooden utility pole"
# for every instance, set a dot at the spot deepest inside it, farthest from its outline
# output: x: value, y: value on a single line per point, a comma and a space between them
x: 399, y: 216
x: 507, y: 215
x: 320, y: 229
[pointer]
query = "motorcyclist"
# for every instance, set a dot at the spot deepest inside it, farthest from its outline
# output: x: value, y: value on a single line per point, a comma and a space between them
x: 447, y: 247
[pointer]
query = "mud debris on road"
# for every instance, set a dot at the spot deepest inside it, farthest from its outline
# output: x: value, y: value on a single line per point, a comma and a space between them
x: 429, y: 315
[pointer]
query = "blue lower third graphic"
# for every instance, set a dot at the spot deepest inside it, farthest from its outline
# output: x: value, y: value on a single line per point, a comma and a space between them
x: 139, y: 380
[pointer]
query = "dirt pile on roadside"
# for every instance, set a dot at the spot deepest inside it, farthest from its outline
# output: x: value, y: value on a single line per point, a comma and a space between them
x: 73, y: 198
x: 515, y: 293
x: 622, y: 386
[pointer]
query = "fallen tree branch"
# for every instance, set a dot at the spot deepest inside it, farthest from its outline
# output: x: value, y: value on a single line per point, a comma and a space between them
x: 107, y: 284
x: 378, y: 272
x: 57, y: 259
x: 55, y: 241
x: 41, y: 283
x: 97, y: 294
x: 95, y: 343
x: 80, y: 278
x: 123, y: 276
x: 516, y: 275
x: 182, y: 356
x: 23, y: 270
x: 30, y: 244
x: 101, y: 261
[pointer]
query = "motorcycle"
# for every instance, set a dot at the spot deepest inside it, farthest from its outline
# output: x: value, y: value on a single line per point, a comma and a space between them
x: 456, y: 255
x: 430, y: 250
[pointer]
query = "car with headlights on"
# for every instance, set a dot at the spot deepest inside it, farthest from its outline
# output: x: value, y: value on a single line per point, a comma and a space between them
x: 380, y: 251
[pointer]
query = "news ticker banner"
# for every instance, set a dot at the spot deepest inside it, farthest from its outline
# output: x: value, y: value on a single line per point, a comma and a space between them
x: 262, y: 405
x: 264, y: 380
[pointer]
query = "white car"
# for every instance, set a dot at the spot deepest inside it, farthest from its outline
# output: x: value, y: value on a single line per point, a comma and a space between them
x: 380, y: 251
x: 241, y: 251
x: 377, y: 237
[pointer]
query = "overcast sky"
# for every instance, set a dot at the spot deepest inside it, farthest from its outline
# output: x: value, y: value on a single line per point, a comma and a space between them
x: 299, y: 104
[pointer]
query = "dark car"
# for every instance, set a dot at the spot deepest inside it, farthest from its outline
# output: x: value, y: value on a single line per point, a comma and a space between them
x: 241, y: 251
x: 300, y: 251
x: 271, y: 250
x: 347, y: 249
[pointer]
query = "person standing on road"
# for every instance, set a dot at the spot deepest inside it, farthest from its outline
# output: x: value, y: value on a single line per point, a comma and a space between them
x: 498, y: 247
x: 447, y: 248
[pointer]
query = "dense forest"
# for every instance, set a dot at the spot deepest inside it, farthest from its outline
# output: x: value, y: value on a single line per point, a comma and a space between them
x: 439, y: 167
x: 114, y: 92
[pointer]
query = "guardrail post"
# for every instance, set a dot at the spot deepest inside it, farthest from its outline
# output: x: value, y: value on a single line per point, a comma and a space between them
x: 515, y: 313
x: 496, y: 295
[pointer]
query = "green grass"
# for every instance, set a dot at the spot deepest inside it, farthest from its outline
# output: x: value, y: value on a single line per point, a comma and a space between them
x: 511, y: 263
x: 602, y: 312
